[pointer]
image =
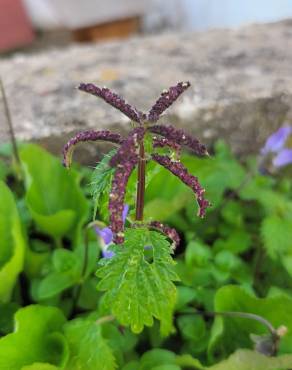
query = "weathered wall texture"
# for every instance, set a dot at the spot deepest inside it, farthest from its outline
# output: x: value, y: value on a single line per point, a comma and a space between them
x: 241, y: 85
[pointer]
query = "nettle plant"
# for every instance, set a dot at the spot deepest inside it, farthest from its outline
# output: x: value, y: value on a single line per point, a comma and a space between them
x: 137, y: 272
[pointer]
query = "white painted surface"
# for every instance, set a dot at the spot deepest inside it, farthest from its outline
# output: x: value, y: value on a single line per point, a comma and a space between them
x: 204, y: 14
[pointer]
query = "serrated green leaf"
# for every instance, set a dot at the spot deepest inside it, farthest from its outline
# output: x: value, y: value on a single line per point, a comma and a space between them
x: 88, y: 347
x: 137, y: 289
x: 12, y: 244
x: 101, y: 179
x: 37, y: 338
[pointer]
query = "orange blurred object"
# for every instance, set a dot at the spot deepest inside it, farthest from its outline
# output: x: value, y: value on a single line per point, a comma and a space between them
x: 15, y: 26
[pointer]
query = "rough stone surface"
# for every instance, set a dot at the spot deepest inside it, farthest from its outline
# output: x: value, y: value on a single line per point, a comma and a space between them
x: 241, y: 85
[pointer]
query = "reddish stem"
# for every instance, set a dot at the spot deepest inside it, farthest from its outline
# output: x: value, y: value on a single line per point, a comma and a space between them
x: 140, y: 183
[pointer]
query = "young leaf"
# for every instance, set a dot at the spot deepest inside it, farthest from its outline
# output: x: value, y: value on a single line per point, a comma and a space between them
x: 88, y: 347
x: 101, y: 179
x: 37, y: 338
x: 138, y: 289
x: 12, y: 244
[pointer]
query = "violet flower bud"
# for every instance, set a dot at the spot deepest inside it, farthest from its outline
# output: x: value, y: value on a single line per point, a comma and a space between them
x: 166, y: 99
x: 129, y: 147
x: 168, y: 231
x: 179, y: 170
x: 106, y: 236
x: 113, y: 99
x: 117, y: 196
x: 180, y: 137
x: 104, y: 135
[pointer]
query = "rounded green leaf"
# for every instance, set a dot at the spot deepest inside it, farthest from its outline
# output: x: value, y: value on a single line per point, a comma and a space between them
x: 37, y: 338
x: 12, y: 244
x: 53, y: 197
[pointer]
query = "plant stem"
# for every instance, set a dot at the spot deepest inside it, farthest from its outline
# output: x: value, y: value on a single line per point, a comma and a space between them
x: 77, y: 291
x: 244, y: 315
x: 9, y: 123
x: 140, y: 183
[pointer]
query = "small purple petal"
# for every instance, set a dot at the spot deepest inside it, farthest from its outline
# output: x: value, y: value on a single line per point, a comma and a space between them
x: 277, y: 140
x: 107, y: 254
x: 283, y: 158
x: 106, y: 234
x: 125, y: 212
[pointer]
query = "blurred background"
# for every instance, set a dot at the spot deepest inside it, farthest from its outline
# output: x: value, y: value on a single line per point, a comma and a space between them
x: 40, y: 23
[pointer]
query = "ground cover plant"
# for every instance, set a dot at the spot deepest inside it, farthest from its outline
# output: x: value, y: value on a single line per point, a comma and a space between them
x: 115, y: 267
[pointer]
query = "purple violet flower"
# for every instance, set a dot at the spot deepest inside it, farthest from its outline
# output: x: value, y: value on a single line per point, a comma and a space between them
x: 277, y: 140
x: 276, y: 144
x: 283, y: 158
x: 106, y: 235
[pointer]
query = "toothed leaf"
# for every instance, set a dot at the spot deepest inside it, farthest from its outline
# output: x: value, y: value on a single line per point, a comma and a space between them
x: 139, y: 282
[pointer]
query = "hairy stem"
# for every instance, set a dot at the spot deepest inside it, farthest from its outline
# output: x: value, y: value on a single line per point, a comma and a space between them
x: 140, y: 183
x: 9, y: 123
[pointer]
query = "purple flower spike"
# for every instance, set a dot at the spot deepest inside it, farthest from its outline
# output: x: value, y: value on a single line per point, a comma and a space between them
x: 104, y: 135
x: 168, y: 231
x: 166, y: 99
x: 162, y: 142
x: 179, y: 170
x: 113, y: 99
x: 277, y: 140
x: 180, y: 137
x: 117, y: 196
x: 283, y: 158
x: 129, y: 147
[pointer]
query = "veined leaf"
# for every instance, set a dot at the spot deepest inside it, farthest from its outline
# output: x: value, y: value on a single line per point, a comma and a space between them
x: 12, y: 244
x: 138, y: 289
x: 101, y: 179
x: 88, y: 347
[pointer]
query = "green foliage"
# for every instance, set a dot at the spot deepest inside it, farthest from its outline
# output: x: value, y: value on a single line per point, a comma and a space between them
x: 37, y: 338
x: 101, y: 180
x: 88, y: 346
x: 234, y: 332
x: 238, y: 258
x: 12, y: 244
x: 138, y: 289
x: 53, y: 195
